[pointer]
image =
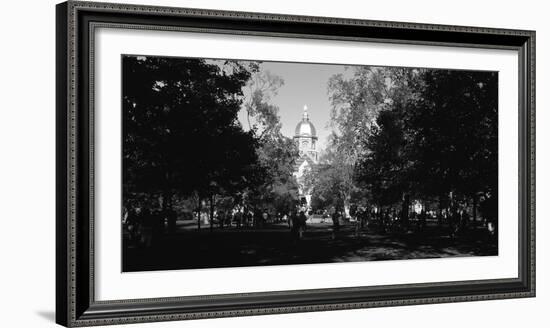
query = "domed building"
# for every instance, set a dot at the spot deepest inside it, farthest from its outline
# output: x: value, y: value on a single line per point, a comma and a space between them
x: 305, y: 137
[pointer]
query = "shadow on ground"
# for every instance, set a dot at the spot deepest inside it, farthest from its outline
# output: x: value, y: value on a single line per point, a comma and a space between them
x: 273, y: 245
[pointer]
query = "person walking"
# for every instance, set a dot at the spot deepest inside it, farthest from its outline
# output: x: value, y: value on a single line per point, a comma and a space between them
x: 133, y: 224
x: 146, y: 229
x: 265, y: 217
x: 238, y: 218
x: 294, y: 226
x: 335, y: 223
x: 454, y: 223
x: 171, y: 218
x: 221, y: 218
x: 422, y: 220
x: 302, y: 224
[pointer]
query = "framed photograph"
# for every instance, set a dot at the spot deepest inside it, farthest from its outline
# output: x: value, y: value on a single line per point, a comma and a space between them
x: 216, y: 164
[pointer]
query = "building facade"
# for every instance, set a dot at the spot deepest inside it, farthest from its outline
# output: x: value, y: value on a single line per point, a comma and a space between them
x: 305, y: 137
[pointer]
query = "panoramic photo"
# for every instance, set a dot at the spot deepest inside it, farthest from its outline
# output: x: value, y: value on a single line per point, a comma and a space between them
x: 232, y: 163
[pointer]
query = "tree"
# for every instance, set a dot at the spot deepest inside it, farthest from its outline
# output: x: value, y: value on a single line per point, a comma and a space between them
x: 434, y: 138
x: 180, y: 127
x: 454, y: 129
x: 262, y: 86
x: 381, y: 169
x: 360, y: 115
x: 275, y: 188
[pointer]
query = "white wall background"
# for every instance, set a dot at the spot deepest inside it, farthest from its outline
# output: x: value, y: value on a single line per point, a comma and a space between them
x: 27, y: 166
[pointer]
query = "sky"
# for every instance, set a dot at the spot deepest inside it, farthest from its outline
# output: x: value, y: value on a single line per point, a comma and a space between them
x: 304, y: 84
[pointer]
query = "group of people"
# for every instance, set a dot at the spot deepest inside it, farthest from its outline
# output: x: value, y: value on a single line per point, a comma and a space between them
x: 243, y: 218
x: 456, y: 220
x: 297, y: 224
x: 145, y: 227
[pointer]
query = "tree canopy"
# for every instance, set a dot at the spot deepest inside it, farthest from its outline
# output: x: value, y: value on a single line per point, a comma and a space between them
x: 181, y: 133
x: 423, y: 133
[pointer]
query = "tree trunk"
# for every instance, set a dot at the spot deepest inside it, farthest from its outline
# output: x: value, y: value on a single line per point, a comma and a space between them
x: 474, y: 210
x: 405, y: 209
x: 169, y: 217
x: 211, y: 212
x: 346, y: 201
x: 440, y: 216
x: 199, y: 214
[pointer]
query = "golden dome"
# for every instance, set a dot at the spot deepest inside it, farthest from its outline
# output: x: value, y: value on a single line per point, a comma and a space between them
x: 305, y: 128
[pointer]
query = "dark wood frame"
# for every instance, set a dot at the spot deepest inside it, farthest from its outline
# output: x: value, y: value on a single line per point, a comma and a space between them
x: 75, y: 302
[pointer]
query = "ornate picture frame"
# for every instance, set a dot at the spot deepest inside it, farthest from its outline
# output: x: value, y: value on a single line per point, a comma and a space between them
x: 76, y: 304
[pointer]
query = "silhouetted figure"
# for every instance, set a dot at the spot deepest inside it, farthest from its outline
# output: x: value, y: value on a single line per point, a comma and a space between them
x: 230, y: 218
x: 405, y: 219
x: 335, y: 224
x: 221, y: 218
x: 363, y: 218
x: 302, y: 224
x: 248, y: 220
x: 422, y: 220
x: 146, y: 228
x: 158, y: 221
x: 384, y: 220
x: 171, y: 218
x: 257, y: 218
x: 237, y: 217
x: 464, y: 220
x: 489, y: 211
x: 133, y: 224
x: 454, y: 223
x: 294, y: 226
x: 265, y: 217
x: 440, y: 218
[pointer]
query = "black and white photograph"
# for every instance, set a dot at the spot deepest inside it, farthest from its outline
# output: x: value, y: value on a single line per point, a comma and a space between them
x: 232, y: 163
x: 268, y: 164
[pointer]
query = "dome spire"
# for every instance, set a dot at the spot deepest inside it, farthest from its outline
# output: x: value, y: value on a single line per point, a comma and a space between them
x: 305, y: 128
